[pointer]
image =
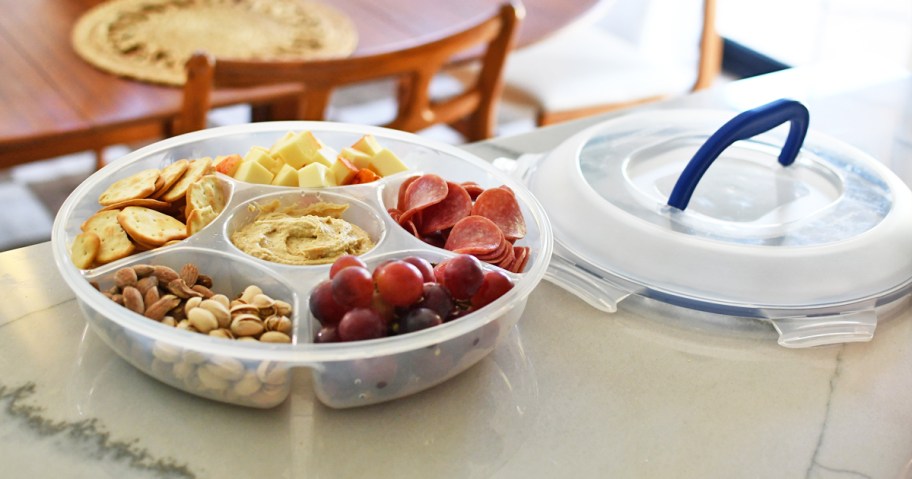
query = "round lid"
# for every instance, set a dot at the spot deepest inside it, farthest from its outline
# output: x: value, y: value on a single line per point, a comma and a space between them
x: 668, y: 205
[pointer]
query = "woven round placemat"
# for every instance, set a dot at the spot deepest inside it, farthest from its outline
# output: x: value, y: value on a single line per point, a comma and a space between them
x: 150, y: 40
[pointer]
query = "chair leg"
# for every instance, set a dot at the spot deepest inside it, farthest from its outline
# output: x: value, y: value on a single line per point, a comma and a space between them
x: 99, y: 158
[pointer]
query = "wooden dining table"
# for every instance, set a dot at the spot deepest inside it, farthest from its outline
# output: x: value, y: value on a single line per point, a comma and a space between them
x: 52, y: 102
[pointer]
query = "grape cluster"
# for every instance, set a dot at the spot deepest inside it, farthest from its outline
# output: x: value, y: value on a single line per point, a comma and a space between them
x: 400, y: 296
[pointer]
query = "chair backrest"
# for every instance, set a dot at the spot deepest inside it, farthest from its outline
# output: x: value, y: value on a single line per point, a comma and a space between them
x: 709, y: 63
x: 472, y: 112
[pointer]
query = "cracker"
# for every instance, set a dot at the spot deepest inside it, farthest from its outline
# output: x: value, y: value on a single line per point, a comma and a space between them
x: 139, y: 185
x: 150, y: 227
x: 207, y: 192
x: 84, y: 249
x: 170, y: 174
x: 115, y: 244
x: 146, y: 202
x: 199, y: 218
x: 195, y: 170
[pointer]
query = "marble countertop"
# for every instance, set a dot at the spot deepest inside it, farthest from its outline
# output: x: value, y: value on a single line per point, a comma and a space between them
x: 570, y: 392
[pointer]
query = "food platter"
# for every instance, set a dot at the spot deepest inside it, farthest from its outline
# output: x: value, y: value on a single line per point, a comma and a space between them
x: 258, y: 374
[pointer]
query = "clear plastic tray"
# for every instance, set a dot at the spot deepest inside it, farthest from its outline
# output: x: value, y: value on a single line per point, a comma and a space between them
x: 259, y: 374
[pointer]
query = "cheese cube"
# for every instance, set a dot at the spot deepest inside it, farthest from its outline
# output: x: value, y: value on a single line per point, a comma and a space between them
x: 262, y: 156
x: 287, y: 136
x: 290, y: 152
x: 326, y: 156
x: 287, y: 176
x: 357, y: 157
x: 368, y: 144
x: 386, y: 163
x: 315, y: 175
x: 343, y: 171
x: 308, y: 142
x: 253, y: 172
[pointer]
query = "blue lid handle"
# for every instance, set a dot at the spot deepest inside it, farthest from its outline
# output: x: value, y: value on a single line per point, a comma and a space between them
x: 745, y: 125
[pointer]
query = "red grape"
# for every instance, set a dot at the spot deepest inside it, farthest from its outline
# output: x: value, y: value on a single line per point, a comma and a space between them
x: 327, y: 334
x: 436, y: 298
x: 353, y: 287
x: 343, y: 262
x: 462, y: 276
x: 493, y: 286
x: 418, y: 319
x: 323, y: 306
x: 361, y: 323
x: 399, y: 283
x: 424, y: 266
x: 384, y: 309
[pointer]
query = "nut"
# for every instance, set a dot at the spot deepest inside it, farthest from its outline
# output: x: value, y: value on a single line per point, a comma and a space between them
x: 160, y: 308
x: 125, y: 277
x: 164, y: 274
x: 132, y: 298
x: 227, y: 368
x: 147, y: 283
x: 180, y: 289
x: 189, y: 273
x: 221, y: 313
x: 223, y: 333
x: 247, y: 325
x: 282, y: 308
x: 191, y: 303
x: 249, y: 293
x: 278, y: 323
x: 202, y: 319
x: 247, y: 385
x: 202, y: 290
x: 274, y: 337
x: 143, y: 270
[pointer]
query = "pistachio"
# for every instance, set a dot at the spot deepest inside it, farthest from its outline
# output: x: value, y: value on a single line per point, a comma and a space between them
x: 209, y: 380
x: 183, y: 370
x: 247, y: 385
x: 227, y: 368
x: 189, y: 273
x: 243, y: 308
x: 125, y: 277
x: 191, y: 303
x: 224, y: 333
x: 221, y: 313
x: 282, y: 308
x: 203, y: 320
x: 192, y: 356
x: 166, y: 352
x: 246, y: 325
x: 250, y: 292
x: 272, y: 373
x: 221, y: 298
x: 278, y: 323
x: 186, y: 326
x: 133, y: 299
x: 169, y: 321
x: 274, y: 337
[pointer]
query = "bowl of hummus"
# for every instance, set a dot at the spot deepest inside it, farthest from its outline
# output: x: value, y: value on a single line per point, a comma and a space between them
x: 199, y: 271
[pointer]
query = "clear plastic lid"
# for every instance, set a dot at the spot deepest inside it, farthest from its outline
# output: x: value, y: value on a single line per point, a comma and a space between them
x: 815, y: 246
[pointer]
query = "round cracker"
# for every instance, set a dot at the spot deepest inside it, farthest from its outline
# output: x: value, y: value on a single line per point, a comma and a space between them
x: 150, y: 227
x: 195, y: 170
x: 139, y: 185
x: 84, y: 249
x: 115, y: 243
x: 170, y: 174
x: 146, y: 202
x: 199, y: 218
x: 206, y: 193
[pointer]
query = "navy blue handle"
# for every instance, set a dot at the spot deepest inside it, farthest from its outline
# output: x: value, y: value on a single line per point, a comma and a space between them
x: 746, y: 125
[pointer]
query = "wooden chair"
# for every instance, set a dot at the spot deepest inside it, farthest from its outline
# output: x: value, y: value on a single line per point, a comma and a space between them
x: 471, y: 112
x: 587, y: 70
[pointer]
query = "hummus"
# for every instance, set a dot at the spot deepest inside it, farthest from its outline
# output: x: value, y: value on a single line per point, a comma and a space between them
x: 315, y: 234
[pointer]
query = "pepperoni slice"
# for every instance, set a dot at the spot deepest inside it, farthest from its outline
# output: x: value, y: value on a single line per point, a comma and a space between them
x: 400, y: 201
x: 472, y: 188
x: 456, y: 206
x: 424, y: 191
x: 500, y: 206
x: 395, y: 213
x: 474, y: 235
x: 522, y: 259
